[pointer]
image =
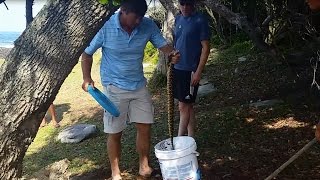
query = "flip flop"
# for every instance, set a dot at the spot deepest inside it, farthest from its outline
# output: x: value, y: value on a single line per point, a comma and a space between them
x: 103, y: 101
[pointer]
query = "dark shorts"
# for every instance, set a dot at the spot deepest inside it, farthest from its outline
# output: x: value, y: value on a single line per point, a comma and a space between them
x: 181, y: 86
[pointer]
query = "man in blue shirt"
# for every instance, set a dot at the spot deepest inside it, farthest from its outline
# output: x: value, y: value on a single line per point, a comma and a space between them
x: 191, y: 38
x: 123, y: 39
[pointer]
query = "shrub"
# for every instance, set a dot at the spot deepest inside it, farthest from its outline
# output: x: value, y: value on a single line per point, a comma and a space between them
x: 150, y: 54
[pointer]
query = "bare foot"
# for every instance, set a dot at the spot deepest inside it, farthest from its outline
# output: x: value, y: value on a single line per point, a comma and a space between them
x: 43, y: 123
x: 56, y: 125
x: 145, y: 172
x: 116, y: 177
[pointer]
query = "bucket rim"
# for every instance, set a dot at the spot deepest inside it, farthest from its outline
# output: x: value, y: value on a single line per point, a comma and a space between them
x: 167, y: 154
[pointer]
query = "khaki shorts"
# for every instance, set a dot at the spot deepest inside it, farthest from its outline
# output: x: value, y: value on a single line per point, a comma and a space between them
x: 134, y: 106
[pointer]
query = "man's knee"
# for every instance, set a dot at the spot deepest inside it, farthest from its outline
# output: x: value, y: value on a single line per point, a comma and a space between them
x: 115, y: 136
x: 184, y: 107
x: 143, y: 128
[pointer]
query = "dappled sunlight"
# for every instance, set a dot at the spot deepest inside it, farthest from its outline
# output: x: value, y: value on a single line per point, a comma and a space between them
x: 213, y: 56
x: 82, y: 165
x: 290, y: 122
x: 249, y: 120
x: 42, y: 139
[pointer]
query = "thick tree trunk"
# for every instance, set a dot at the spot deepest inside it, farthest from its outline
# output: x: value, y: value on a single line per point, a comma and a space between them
x: 169, y: 6
x: 35, y: 69
x: 167, y: 33
x: 167, y: 30
x: 29, y: 16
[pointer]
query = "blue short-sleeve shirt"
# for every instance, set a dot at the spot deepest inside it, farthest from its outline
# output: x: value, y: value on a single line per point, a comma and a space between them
x: 189, y: 31
x: 122, y: 55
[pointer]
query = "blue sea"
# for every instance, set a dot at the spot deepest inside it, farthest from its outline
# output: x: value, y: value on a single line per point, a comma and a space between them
x: 7, y: 38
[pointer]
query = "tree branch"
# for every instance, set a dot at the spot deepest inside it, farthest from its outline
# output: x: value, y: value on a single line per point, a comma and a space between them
x: 242, y: 22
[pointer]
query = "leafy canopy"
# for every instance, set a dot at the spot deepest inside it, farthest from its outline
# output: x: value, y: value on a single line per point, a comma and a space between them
x: 114, y: 2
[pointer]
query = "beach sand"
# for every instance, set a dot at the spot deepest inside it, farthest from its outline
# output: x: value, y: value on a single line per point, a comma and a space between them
x: 4, y: 52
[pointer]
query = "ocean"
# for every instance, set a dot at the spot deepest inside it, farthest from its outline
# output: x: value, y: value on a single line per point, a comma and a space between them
x: 7, y: 38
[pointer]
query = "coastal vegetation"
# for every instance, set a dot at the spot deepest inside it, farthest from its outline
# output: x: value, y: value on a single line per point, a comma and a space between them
x: 261, y: 51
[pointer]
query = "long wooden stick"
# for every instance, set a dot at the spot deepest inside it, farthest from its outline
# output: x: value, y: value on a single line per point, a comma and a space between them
x: 294, y: 157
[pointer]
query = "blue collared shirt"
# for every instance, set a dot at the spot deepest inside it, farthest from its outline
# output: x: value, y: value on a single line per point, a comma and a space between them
x: 122, y: 55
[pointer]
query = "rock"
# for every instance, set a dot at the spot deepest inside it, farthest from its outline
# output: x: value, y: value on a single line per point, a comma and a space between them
x: 55, y: 171
x: 205, y: 89
x: 204, y: 81
x: 76, y: 133
x: 266, y: 103
x: 242, y: 59
x: 213, y: 50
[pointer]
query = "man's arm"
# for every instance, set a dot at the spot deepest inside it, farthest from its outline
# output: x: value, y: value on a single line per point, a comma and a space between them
x: 203, y: 60
x: 86, y: 64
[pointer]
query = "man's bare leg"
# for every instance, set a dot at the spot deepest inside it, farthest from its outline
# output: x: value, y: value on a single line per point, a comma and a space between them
x: 192, y: 122
x: 53, y: 116
x: 114, y: 152
x: 143, y: 148
x: 43, y: 122
x: 184, y: 109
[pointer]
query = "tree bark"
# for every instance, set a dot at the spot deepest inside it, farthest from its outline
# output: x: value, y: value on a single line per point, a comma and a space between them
x: 168, y: 35
x: 35, y: 69
x: 169, y: 6
x: 167, y: 30
x: 29, y: 16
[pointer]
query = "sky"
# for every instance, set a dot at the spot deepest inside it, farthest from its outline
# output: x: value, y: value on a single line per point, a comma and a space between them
x: 14, y: 19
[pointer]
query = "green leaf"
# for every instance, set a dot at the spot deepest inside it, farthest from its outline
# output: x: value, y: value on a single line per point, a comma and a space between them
x: 103, y: 2
x: 116, y: 2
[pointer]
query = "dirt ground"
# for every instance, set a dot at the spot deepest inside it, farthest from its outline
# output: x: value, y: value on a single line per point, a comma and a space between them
x: 238, y: 141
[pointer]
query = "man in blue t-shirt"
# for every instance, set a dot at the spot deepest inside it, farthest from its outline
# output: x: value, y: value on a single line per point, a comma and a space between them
x: 191, y: 38
x: 123, y: 39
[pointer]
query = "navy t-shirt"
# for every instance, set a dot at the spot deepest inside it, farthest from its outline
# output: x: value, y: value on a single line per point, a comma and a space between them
x: 188, y: 33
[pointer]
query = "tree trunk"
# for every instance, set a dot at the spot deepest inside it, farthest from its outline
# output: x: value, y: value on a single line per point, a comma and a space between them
x: 252, y: 11
x: 35, y: 69
x: 167, y: 31
x: 29, y: 16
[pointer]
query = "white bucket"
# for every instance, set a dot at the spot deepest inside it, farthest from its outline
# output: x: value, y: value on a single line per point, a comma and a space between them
x: 180, y: 163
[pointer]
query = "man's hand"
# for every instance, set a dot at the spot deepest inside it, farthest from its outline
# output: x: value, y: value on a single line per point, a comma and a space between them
x: 174, y: 56
x: 314, y: 4
x: 86, y: 82
x: 195, y: 78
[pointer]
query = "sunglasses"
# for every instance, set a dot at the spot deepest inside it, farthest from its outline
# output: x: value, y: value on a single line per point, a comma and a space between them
x: 185, y: 4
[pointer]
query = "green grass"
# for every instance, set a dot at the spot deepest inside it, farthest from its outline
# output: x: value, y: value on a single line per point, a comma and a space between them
x: 235, y: 51
x: 150, y: 54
